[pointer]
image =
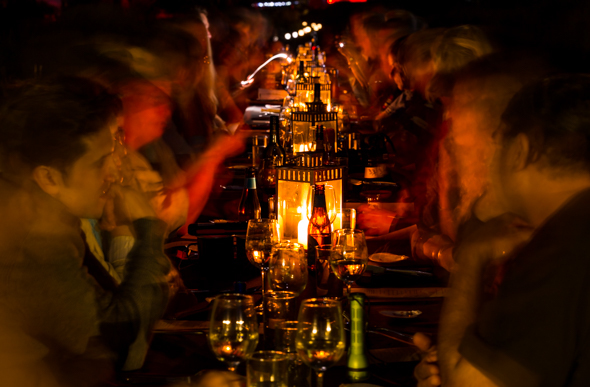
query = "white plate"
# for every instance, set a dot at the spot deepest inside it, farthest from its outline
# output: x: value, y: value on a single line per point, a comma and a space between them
x: 401, y: 313
x: 387, y: 257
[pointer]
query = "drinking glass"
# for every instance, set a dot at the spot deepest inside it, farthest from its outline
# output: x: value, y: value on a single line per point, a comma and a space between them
x: 285, y: 335
x: 320, y: 335
x: 348, y: 218
x: 233, y: 329
x: 350, y: 256
x: 267, y: 369
x: 326, y: 281
x: 288, y: 268
x: 261, y: 235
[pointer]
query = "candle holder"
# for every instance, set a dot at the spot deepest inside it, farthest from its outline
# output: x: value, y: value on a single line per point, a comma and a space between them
x: 293, y: 185
x: 304, y: 123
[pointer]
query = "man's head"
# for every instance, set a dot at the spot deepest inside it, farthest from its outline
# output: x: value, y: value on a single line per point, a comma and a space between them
x: 481, y: 92
x: 59, y: 134
x: 544, y: 136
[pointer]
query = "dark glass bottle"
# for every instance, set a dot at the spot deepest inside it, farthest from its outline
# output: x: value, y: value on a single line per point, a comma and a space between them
x: 274, y: 151
x: 249, y: 207
x: 300, y: 77
x: 319, y: 229
x: 357, y: 363
x: 274, y: 157
x: 319, y: 139
x: 317, y: 93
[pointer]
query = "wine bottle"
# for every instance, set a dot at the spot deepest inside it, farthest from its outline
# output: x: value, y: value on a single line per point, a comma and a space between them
x: 274, y: 151
x: 319, y: 229
x: 301, y: 77
x: 249, y: 205
x: 357, y: 355
x: 319, y: 140
x: 317, y: 93
x: 274, y: 157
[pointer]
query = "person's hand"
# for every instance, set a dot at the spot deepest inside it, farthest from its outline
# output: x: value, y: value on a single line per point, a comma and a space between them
x: 226, y: 146
x: 374, y: 221
x: 496, y: 240
x: 427, y: 371
x: 124, y: 206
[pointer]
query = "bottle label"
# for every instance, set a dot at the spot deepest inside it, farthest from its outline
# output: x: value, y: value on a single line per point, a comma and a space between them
x: 375, y: 172
x: 251, y: 183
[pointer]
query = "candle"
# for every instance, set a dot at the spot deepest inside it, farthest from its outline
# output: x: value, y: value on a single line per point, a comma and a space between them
x: 302, y: 232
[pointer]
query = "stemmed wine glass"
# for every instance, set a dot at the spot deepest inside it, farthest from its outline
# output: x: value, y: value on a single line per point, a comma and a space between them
x: 350, y: 255
x: 261, y: 235
x: 320, y: 336
x: 233, y: 329
x: 288, y: 268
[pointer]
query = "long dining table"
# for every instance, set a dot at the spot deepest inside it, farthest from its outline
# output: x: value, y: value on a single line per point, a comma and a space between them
x: 210, y: 264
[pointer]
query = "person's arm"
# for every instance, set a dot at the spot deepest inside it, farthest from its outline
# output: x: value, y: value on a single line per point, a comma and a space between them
x: 201, y: 175
x: 459, y: 312
x: 493, y: 241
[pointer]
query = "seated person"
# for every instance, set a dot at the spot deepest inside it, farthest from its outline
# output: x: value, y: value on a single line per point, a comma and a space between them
x: 517, y: 313
x: 64, y: 321
x: 480, y: 93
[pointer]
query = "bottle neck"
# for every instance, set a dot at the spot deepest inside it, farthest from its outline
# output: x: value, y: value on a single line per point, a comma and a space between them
x: 273, y: 132
x: 317, y: 93
x: 357, y: 359
x: 250, y: 182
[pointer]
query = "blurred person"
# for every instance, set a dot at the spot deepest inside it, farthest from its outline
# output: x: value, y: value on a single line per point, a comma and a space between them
x: 413, y: 124
x: 398, y: 24
x: 69, y: 321
x: 450, y: 52
x: 494, y: 327
x: 362, y: 51
x: 150, y: 68
x: 456, y: 149
x: 240, y: 40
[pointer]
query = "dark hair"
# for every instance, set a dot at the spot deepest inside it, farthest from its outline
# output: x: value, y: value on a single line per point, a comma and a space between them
x: 44, y: 123
x: 555, y: 116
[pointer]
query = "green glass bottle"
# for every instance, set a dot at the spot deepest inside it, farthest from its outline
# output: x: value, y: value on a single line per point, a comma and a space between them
x: 358, y: 365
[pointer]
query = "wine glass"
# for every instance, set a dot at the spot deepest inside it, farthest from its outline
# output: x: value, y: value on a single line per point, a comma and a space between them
x: 233, y: 329
x: 261, y: 235
x: 320, y: 335
x: 288, y: 268
x: 350, y: 255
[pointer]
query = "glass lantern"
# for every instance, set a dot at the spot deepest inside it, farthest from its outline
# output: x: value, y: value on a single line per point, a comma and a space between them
x: 305, y: 123
x: 293, y: 185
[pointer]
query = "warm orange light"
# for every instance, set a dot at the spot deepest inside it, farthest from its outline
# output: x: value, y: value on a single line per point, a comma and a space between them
x: 321, y: 355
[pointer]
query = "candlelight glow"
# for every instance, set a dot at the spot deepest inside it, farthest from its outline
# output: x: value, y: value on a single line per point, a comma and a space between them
x: 302, y: 232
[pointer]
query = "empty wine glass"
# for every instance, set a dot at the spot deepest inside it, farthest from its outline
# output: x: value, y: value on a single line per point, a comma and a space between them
x: 261, y: 235
x: 350, y: 255
x: 233, y: 329
x: 288, y: 268
x: 320, y: 335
